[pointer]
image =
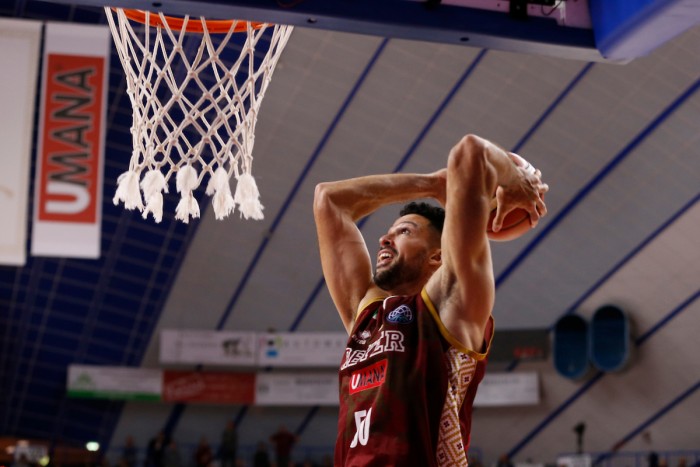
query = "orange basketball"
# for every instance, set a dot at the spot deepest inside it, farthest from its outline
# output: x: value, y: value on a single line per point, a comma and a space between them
x: 516, y: 223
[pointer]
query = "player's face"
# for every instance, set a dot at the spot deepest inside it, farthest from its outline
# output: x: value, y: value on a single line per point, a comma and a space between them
x: 404, y: 251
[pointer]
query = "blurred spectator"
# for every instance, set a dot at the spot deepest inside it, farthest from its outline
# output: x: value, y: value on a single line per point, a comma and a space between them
x: 229, y: 445
x: 653, y: 459
x: 172, y: 457
x: 156, y: 450
x: 23, y: 461
x: 129, y: 453
x: 474, y: 461
x: 504, y: 461
x: 284, y: 441
x: 204, y: 456
x: 682, y: 462
x: 261, y: 458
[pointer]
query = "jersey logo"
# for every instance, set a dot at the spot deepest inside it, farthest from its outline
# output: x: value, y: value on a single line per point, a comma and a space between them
x: 362, y: 338
x: 368, y: 378
x: 388, y: 341
x: 362, y: 423
x: 401, y: 315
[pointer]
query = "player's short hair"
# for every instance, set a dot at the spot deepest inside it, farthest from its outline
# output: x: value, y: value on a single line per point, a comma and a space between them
x: 435, y: 214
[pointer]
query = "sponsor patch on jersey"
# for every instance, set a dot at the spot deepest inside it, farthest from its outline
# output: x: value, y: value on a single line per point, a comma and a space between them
x: 368, y: 378
x: 401, y: 315
x: 362, y: 338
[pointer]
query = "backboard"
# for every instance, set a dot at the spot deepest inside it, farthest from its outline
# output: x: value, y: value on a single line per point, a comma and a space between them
x: 590, y: 30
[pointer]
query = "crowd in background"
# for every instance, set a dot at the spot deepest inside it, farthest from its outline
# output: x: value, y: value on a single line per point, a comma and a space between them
x: 163, y: 451
x: 278, y: 451
x: 282, y: 450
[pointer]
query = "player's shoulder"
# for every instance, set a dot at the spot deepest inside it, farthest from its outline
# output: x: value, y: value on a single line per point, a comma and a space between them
x: 373, y: 295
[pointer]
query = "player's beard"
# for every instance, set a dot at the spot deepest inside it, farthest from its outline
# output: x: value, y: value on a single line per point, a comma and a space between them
x: 396, y: 275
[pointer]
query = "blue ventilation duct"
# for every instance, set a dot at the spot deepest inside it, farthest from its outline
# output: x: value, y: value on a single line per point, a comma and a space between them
x: 609, y: 339
x: 570, y: 346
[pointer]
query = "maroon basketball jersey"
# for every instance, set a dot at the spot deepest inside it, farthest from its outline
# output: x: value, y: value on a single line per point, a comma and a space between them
x: 406, y: 388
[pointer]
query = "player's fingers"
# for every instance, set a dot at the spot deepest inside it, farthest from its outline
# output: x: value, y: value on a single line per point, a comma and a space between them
x: 541, y: 208
x: 497, y: 222
x: 501, y: 212
x: 498, y: 219
x: 534, y: 215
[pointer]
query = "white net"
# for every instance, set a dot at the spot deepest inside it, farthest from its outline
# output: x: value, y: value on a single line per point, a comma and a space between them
x: 195, y: 99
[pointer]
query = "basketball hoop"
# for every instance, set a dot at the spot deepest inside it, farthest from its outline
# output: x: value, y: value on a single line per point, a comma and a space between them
x: 194, y: 114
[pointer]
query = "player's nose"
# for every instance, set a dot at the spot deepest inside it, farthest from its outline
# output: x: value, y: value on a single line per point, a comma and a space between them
x: 385, y: 240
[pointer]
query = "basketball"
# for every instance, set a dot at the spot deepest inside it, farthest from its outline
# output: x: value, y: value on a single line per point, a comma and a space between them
x: 515, y: 224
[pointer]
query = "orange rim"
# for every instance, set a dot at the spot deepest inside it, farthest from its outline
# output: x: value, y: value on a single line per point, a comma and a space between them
x: 216, y: 26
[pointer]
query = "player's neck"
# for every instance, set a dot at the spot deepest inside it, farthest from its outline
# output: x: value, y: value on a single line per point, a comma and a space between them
x: 413, y: 288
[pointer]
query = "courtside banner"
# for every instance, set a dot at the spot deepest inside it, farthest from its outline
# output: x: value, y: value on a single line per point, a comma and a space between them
x: 70, y: 146
x: 508, y: 389
x: 20, y: 43
x: 208, y: 387
x: 287, y: 389
x: 208, y: 347
x: 302, y: 349
x: 112, y: 382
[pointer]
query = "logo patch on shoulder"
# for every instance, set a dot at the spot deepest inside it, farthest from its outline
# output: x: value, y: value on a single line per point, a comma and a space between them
x: 401, y: 315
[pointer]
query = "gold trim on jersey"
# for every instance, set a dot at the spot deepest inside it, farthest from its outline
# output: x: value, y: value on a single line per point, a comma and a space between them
x: 449, y: 337
x: 367, y: 302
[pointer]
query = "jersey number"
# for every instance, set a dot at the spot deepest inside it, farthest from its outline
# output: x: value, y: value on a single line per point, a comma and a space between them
x: 362, y: 423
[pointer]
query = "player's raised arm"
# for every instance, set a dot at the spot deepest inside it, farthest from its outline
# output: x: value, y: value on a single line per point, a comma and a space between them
x: 345, y: 259
x: 463, y: 288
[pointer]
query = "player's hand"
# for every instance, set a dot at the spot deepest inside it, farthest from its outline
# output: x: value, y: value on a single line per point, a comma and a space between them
x: 526, y: 192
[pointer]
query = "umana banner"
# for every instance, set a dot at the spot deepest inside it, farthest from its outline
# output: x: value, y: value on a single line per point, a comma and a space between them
x: 70, y: 146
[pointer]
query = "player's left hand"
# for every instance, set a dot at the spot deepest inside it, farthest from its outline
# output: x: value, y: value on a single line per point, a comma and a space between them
x: 527, y: 192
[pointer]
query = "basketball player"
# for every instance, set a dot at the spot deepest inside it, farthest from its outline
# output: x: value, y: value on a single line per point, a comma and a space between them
x: 421, y: 326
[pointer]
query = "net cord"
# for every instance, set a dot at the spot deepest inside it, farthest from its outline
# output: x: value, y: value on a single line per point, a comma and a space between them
x: 176, y: 131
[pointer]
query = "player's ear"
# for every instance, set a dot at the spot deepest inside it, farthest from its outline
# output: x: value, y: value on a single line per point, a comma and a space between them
x: 435, y: 257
